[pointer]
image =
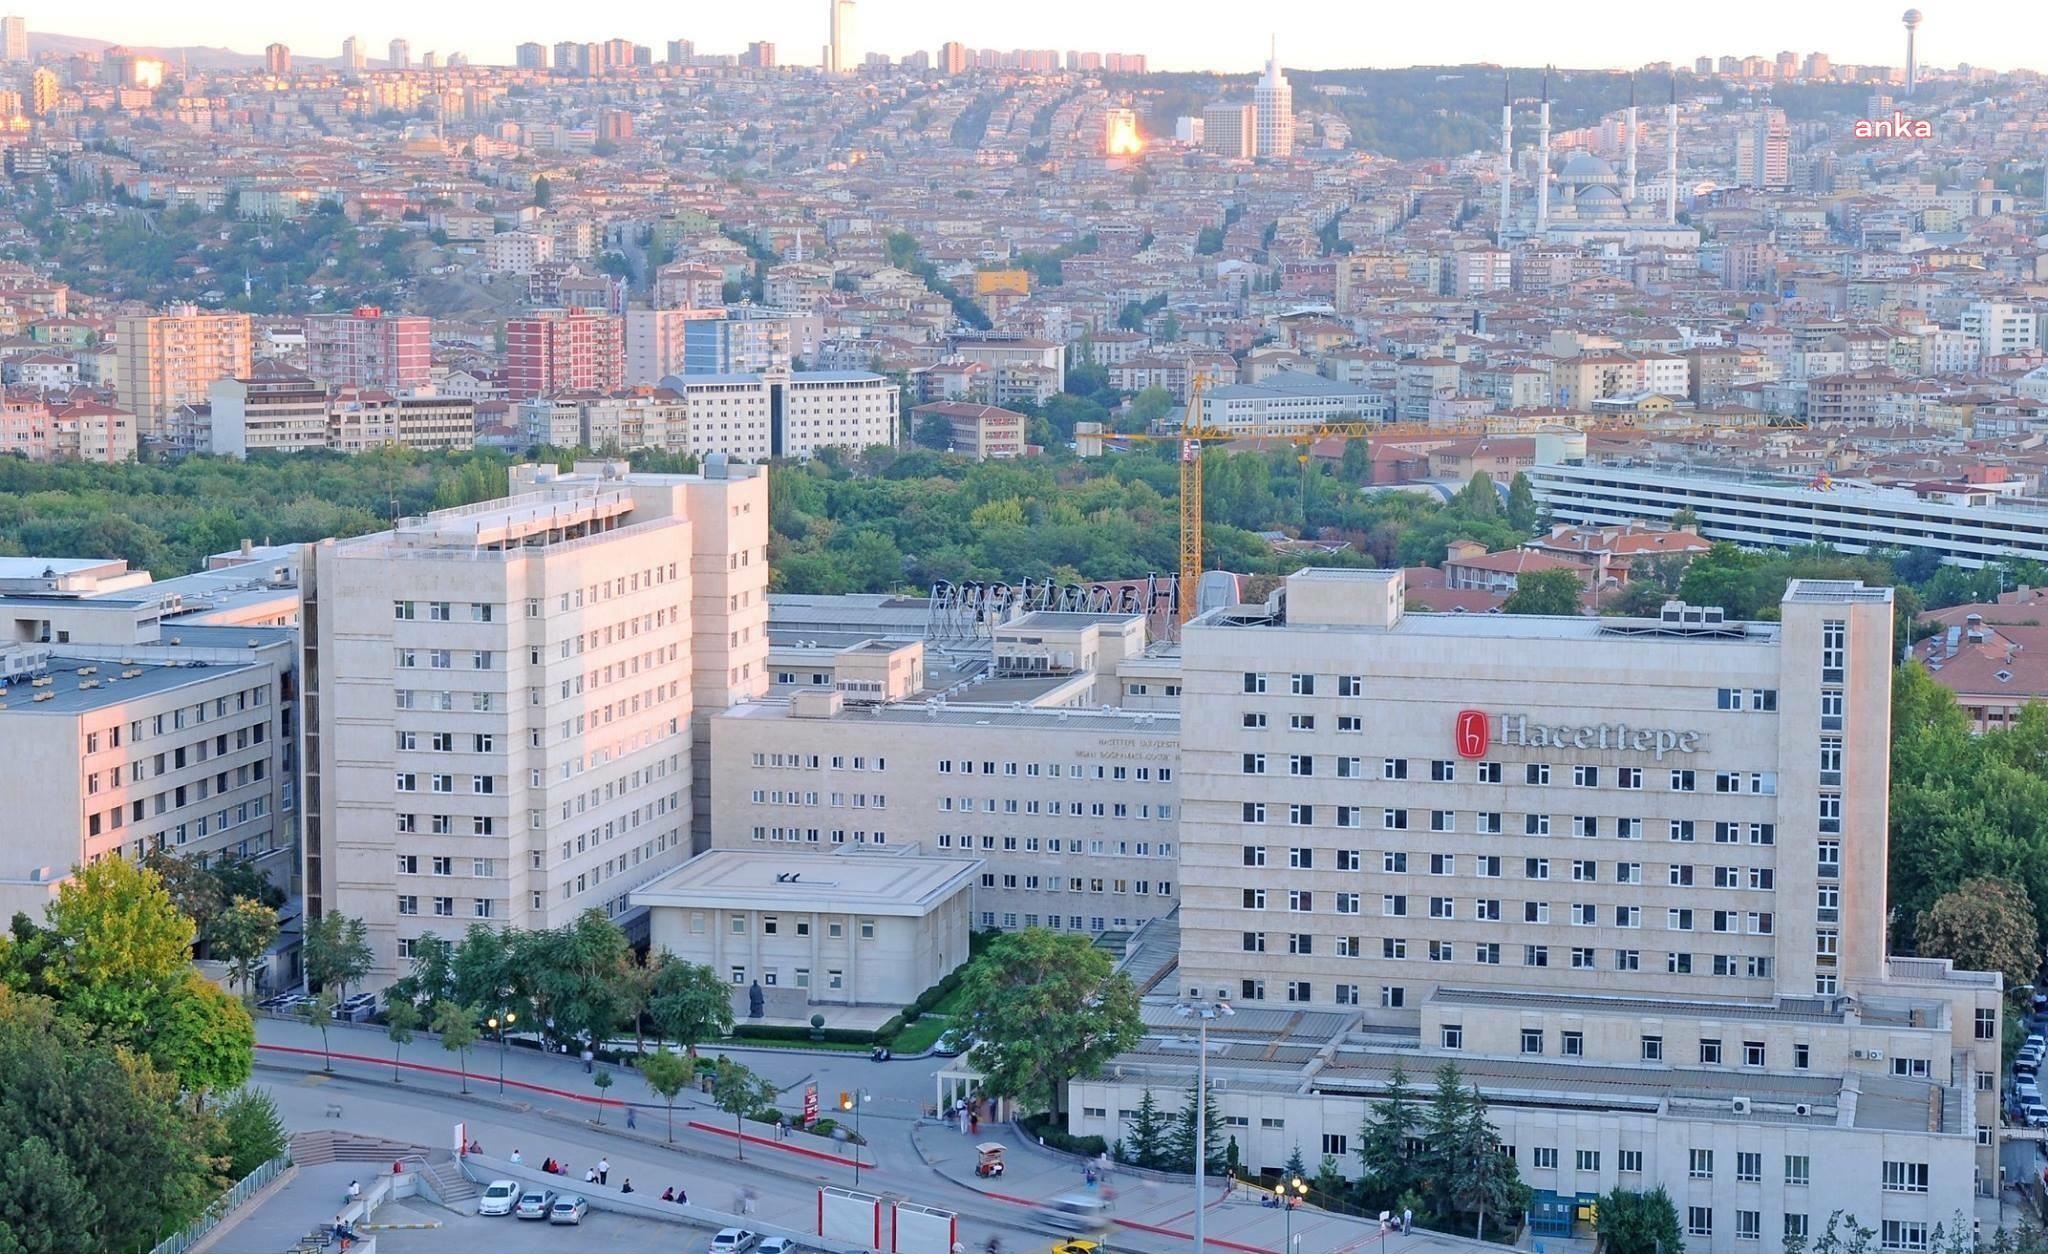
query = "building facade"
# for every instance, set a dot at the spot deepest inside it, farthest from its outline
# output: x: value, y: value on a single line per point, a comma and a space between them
x: 501, y: 698
x: 171, y: 359
x: 369, y: 348
x: 559, y: 350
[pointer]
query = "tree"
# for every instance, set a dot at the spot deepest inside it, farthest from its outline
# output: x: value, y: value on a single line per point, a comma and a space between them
x: 241, y: 934
x: 1521, y: 511
x: 603, y: 1083
x: 1683, y: 517
x: 738, y: 1092
x: 1356, y: 465
x: 401, y: 1020
x: 1294, y: 1168
x: 1445, y: 1125
x: 197, y: 892
x: 118, y: 947
x: 543, y: 192
x: 431, y: 976
x: 1389, y: 1169
x: 249, y: 1132
x: 1843, y: 1235
x: 1149, y: 406
x: 576, y: 976
x: 1633, y: 1222
x: 1048, y: 1008
x: 202, y: 1036
x: 1180, y: 1134
x: 934, y: 432
x: 319, y: 1012
x: 1484, y: 1178
x: 666, y: 1073
x: 1984, y: 924
x: 337, y: 951
x: 1478, y: 498
x: 1145, y: 1145
x: 689, y: 1002
x: 44, y: 1206
x: 457, y: 1028
x: 1554, y: 592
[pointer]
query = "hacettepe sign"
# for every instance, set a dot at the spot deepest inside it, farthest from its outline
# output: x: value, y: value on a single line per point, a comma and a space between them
x: 1476, y: 729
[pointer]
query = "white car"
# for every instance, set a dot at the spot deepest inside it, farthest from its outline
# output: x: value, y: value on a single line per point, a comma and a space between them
x: 778, y: 1245
x: 734, y: 1241
x: 499, y: 1198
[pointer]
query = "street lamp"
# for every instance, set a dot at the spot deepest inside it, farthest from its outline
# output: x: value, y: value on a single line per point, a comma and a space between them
x: 498, y: 1023
x: 1290, y: 1193
x: 1202, y: 1012
x: 854, y: 1101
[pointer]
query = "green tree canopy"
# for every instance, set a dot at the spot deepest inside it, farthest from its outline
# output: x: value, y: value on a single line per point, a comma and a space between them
x: 336, y: 951
x: 1984, y: 924
x: 1048, y: 1009
x: 1554, y: 592
x: 1633, y: 1222
x: 688, y: 1002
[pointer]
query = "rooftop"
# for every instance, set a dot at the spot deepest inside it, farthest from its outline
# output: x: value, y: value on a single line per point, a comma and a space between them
x: 79, y: 685
x: 873, y: 881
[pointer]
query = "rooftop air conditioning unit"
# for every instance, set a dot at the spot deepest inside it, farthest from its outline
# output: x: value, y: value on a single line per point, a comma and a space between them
x: 1802, y: 1110
x: 1741, y: 1105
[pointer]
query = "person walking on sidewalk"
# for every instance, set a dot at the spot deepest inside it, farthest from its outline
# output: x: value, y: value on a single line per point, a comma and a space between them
x: 604, y: 1170
x: 589, y: 1060
x: 629, y: 1118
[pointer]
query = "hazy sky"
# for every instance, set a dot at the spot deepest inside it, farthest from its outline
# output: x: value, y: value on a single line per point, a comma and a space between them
x: 1176, y: 34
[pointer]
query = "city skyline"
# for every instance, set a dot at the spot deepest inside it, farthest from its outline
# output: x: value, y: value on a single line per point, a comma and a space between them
x: 1608, y: 34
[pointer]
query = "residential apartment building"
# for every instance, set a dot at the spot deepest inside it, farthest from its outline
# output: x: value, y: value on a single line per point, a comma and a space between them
x: 1288, y: 402
x: 360, y: 419
x: 170, y: 359
x: 505, y: 700
x: 655, y: 342
x: 1648, y: 924
x: 1230, y: 130
x: 2000, y: 327
x: 270, y: 409
x: 981, y: 432
x: 559, y: 350
x: 124, y: 738
x: 369, y: 348
x: 814, y: 409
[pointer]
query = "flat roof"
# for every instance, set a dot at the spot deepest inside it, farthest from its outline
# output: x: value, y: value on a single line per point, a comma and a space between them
x: 951, y: 714
x: 72, y: 697
x: 1784, y: 1010
x: 881, y: 882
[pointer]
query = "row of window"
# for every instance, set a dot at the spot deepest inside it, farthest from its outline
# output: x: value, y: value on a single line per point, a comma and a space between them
x: 813, y: 761
x: 1095, y: 847
x: 1485, y: 823
x: 1049, y: 770
x: 1489, y: 866
x: 182, y: 717
x: 1078, y: 884
x: 1490, y: 954
x: 1538, y: 774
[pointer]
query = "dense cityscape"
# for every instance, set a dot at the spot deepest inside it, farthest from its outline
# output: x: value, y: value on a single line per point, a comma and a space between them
x: 1046, y: 649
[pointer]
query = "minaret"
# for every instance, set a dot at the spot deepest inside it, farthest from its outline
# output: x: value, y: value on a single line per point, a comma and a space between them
x: 1507, y: 151
x: 1543, y: 158
x: 1671, y: 158
x: 1628, y: 195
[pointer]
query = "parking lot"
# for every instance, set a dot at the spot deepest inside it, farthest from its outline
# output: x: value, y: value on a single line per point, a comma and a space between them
x: 506, y: 1235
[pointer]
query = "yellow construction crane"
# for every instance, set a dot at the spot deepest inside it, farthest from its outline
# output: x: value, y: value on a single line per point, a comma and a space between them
x: 1194, y: 433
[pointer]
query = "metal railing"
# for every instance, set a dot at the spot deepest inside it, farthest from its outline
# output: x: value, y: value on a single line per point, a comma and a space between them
x: 223, y: 1206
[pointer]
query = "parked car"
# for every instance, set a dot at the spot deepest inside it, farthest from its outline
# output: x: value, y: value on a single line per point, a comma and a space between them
x: 499, y: 1197
x: 778, y: 1245
x: 952, y: 1042
x: 2035, y: 1114
x: 734, y: 1241
x: 569, y: 1208
x: 535, y: 1204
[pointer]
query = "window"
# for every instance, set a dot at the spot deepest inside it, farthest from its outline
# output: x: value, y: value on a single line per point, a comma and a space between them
x: 1710, y: 1051
x: 1394, y: 768
x: 1543, y: 1157
x: 1798, y: 1169
x: 1653, y: 1049
x: 1587, y: 1160
x: 1585, y: 777
x: 1752, y: 1053
x: 1532, y: 1040
x: 1903, y: 1234
x: 1904, y: 1177
x: 1393, y: 996
x: 1629, y: 1161
x: 1573, y: 1044
x: 1336, y: 1144
x: 1536, y: 773
x: 1699, y: 1221
x: 1700, y: 1164
x: 1254, y: 682
x: 1301, y: 685
x: 1987, y: 1025
x: 1795, y: 1227
x: 1749, y: 1225
x: 1749, y: 1166
x: 1350, y: 685
x: 1453, y: 1036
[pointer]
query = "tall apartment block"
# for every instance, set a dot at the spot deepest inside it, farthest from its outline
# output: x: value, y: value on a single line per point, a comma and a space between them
x: 560, y: 350
x: 369, y: 348
x: 1627, y: 874
x: 170, y: 359
x: 506, y: 701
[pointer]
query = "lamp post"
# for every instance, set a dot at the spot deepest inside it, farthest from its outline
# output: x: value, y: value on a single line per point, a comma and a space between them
x: 1202, y: 1012
x: 498, y: 1023
x: 854, y: 1101
x: 1290, y: 1192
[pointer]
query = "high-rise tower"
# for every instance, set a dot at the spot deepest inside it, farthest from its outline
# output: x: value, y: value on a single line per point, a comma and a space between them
x: 840, y: 56
x: 1543, y: 157
x: 1912, y: 21
x: 1507, y: 150
x: 1628, y: 193
x: 1671, y: 157
x: 1274, y: 99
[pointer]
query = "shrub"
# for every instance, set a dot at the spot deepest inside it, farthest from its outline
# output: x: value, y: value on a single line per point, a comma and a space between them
x: 1053, y: 1134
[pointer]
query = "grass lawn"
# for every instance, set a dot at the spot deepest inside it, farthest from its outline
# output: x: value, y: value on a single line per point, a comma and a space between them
x: 953, y: 1003
x: 711, y: 1048
x: 919, y: 1036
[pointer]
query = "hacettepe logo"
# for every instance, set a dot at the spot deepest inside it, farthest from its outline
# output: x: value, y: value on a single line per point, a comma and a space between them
x: 1472, y: 734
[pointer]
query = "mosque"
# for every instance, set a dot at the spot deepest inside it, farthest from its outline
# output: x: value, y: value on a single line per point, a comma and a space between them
x: 1595, y: 203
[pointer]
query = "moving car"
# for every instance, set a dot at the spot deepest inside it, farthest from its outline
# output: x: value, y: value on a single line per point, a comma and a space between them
x: 1076, y: 1246
x: 499, y: 1197
x: 734, y: 1241
x: 535, y: 1204
x: 569, y: 1208
x: 1074, y: 1212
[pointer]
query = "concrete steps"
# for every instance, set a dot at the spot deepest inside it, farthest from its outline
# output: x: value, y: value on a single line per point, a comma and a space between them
x: 454, y: 1189
x: 313, y: 1148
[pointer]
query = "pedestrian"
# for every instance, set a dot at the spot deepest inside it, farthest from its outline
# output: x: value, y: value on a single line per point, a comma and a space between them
x: 604, y: 1170
x: 627, y: 1187
x: 590, y: 1176
x: 515, y: 1158
x: 974, y: 1123
x: 589, y: 1059
x: 682, y: 1196
x: 355, y: 1190
x: 629, y: 1118
x: 669, y: 1194
x: 1407, y: 1220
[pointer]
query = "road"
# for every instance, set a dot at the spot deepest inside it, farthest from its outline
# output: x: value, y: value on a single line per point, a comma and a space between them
x: 921, y: 1161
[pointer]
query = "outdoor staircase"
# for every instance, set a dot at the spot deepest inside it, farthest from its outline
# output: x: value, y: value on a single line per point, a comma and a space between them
x: 455, y: 1190
x: 311, y: 1148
